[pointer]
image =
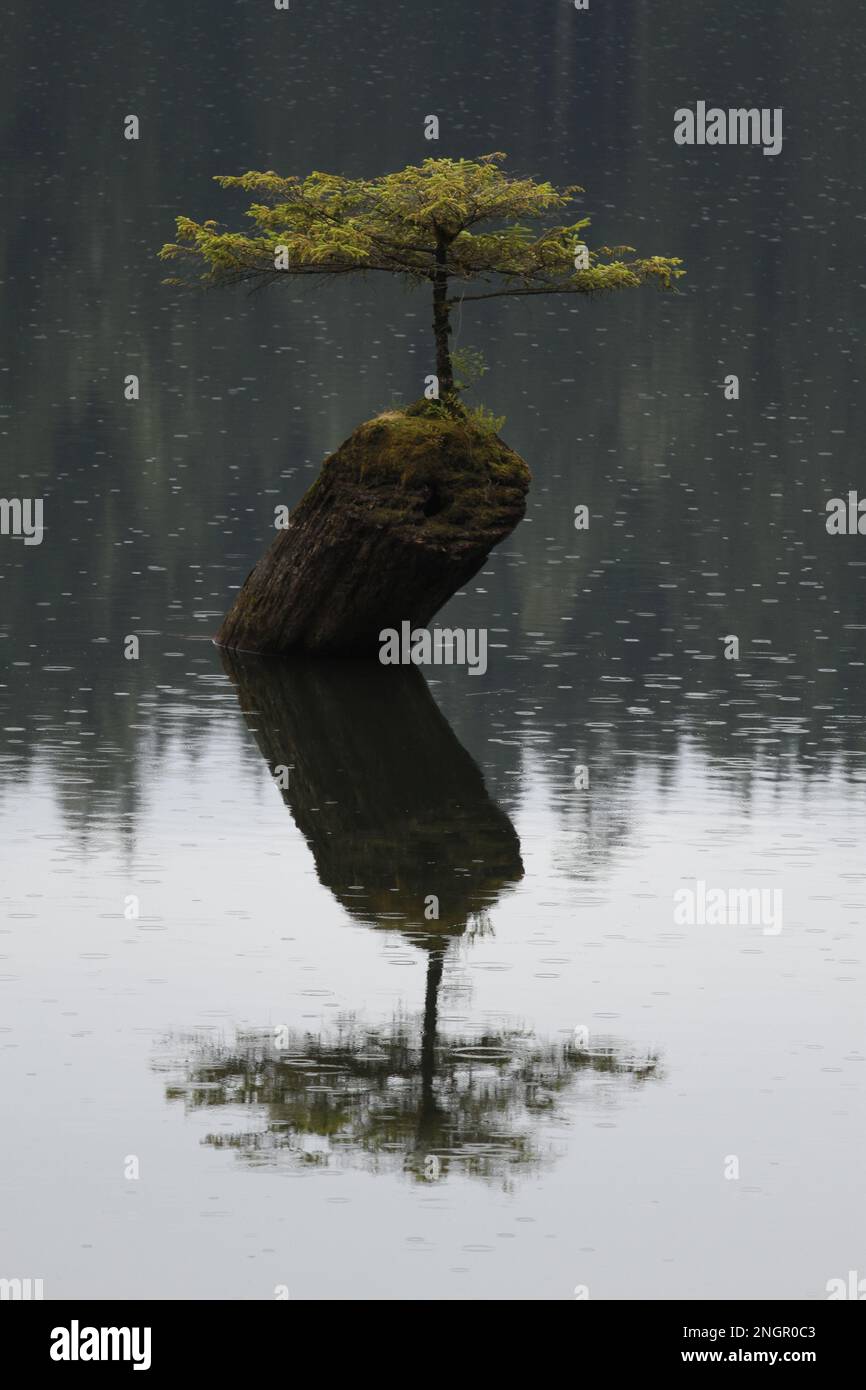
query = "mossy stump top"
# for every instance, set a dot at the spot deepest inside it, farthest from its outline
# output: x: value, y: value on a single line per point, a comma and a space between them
x: 403, y: 514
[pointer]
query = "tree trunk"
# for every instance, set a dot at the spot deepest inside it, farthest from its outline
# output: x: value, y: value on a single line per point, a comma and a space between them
x: 429, y: 1119
x: 442, y: 323
x: 401, y: 516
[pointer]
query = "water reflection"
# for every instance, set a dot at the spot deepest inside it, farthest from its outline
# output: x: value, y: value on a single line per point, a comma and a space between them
x: 395, y: 1097
x: 394, y: 810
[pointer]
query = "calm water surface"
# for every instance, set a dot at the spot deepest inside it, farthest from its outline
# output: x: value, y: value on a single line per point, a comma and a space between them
x: 321, y: 1091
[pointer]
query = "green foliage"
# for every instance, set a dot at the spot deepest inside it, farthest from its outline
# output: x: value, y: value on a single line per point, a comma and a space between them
x: 422, y: 222
x: 432, y: 410
x: 469, y: 367
x: 484, y: 420
x: 441, y: 221
x: 479, y: 418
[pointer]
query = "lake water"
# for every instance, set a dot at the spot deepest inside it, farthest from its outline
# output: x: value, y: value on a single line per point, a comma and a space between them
x: 563, y: 1086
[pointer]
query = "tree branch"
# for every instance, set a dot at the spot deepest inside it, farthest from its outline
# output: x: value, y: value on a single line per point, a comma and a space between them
x: 504, y: 294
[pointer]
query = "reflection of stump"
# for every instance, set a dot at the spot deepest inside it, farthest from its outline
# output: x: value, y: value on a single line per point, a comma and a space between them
x: 391, y: 804
x: 404, y: 513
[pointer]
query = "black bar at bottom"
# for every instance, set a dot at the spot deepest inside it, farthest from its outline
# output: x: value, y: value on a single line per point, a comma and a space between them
x: 66, y: 1337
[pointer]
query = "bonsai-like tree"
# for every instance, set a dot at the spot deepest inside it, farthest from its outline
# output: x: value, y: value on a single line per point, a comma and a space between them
x: 449, y: 222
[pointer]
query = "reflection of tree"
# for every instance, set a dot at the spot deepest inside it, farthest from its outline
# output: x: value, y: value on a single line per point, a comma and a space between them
x: 395, y: 1096
x: 392, y: 806
x: 394, y: 811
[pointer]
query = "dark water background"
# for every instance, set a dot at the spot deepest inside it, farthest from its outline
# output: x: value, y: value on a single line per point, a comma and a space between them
x: 556, y: 1163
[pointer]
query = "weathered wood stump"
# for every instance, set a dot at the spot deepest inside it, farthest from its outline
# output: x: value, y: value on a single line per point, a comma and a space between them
x: 402, y: 515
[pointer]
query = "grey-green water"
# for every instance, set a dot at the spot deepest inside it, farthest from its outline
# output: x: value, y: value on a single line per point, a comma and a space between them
x: 320, y: 1094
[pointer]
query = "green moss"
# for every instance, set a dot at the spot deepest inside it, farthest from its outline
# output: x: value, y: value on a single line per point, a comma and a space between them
x: 432, y: 410
x: 432, y: 466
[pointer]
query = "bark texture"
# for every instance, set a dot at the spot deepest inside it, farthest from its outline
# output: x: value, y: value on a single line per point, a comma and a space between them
x: 402, y: 515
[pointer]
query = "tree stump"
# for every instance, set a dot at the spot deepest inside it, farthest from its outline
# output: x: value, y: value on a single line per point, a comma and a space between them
x: 402, y: 515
